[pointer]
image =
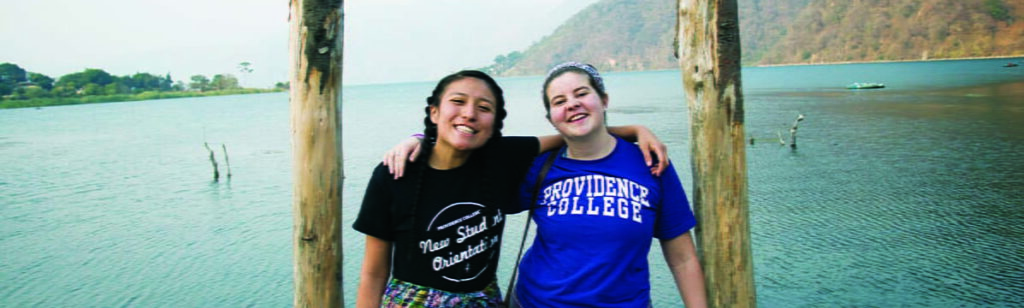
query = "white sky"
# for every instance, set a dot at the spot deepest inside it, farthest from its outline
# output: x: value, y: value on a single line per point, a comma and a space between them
x: 385, y: 40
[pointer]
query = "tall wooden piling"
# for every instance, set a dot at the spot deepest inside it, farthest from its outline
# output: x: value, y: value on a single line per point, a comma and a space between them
x: 708, y: 48
x: 316, y: 54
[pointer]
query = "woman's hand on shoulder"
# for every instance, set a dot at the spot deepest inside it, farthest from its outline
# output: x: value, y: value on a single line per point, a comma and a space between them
x: 405, y: 151
x: 652, y: 148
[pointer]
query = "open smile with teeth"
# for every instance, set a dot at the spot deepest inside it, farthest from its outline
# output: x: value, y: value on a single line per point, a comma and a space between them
x: 465, y: 129
x: 577, y: 117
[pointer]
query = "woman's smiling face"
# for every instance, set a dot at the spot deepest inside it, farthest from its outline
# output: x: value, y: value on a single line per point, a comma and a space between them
x: 576, y: 109
x: 465, y: 115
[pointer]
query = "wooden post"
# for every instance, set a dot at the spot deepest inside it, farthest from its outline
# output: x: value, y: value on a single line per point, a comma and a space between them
x: 213, y: 161
x: 316, y: 53
x: 227, y: 162
x: 792, y: 131
x: 708, y: 47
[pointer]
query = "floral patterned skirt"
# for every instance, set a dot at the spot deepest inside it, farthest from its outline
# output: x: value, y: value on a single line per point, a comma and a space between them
x: 401, y: 294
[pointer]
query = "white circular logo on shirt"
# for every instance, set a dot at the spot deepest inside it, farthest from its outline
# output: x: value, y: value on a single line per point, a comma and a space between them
x: 458, y: 243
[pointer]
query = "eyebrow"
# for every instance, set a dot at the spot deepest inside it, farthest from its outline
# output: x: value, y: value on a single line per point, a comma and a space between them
x: 573, y: 91
x: 464, y: 94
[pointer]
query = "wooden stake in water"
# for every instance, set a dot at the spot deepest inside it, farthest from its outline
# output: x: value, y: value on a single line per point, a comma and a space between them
x: 708, y: 47
x: 216, y: 173
x: 792, y: 131
x: 315, y: 46
x: 227, y: 163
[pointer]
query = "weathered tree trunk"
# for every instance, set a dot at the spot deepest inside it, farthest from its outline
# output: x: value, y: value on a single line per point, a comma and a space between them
x: 792, y: 131
x: 227, y: 163
x: 708, y: 47
x: 213, y: 161
x: 316, y: 54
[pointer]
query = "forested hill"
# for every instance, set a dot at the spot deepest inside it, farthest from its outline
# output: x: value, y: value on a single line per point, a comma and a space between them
x: 631, y: 35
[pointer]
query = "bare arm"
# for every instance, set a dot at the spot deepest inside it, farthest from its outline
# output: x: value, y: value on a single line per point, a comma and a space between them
x: 681, y: 256
x: 404, y: 151
x: 645, y: 139
x: 648, y: 143
x: 550, y: 142
x: 407, y: 150
x: 375, y: 273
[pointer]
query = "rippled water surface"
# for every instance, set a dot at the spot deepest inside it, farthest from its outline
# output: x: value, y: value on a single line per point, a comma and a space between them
x: 910, y: 195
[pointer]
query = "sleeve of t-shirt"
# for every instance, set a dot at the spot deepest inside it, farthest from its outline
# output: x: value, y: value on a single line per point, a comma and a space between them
x: 375, y: 217
x: 675, y: 217
x: 517, y: 153
x: 514, y: 155
x: 528, y: 184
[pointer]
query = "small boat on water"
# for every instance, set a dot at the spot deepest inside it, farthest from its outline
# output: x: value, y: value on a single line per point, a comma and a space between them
x: 865, y: 85
x: 1010, y: 64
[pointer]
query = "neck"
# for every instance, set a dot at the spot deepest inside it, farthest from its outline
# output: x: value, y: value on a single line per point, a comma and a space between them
x: 444, y: 158
x: 590, y: 147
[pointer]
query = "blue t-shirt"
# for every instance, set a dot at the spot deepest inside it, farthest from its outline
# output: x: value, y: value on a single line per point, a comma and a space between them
x: 595, y: 223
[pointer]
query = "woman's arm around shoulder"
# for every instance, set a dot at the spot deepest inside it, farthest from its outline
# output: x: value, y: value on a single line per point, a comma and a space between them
x: 652, y: 148
x: 681, y: 257
x: 649, y: 144
x: 405, y: 151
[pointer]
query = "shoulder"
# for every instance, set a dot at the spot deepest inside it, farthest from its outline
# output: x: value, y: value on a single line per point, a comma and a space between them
x: 380, y: 169
x: 382, y: 175
x: 511, y: 149
x: 627, y: 161
x: 515, y: 143
x: 625, y: 150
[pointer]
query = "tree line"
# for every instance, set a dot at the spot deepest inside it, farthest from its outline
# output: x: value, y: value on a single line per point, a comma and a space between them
x: 17, y: 83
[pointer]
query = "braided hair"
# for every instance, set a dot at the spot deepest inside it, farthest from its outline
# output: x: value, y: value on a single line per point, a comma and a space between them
x: 430, y: 128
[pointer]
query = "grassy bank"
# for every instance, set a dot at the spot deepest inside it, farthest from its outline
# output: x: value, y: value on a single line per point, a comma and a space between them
x: 58, y: 101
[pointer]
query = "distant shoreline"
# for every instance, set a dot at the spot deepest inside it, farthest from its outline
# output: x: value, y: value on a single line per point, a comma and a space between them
x: 889, y: 61
x: 118, y: 98
x: 788, y: 64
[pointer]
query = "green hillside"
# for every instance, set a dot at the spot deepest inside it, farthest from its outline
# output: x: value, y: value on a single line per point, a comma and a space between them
x: 632, y: 35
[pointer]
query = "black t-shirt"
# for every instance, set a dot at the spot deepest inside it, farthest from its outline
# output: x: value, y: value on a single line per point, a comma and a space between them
x: 452, y: 240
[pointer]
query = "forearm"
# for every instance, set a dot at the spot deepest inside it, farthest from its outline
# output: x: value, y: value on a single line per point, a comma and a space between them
x: 628, y: 132
x: 681, y: 257
x: 371, y: 288
x: 550, y: 142
x: 375, y: 273
x: 689, y: 279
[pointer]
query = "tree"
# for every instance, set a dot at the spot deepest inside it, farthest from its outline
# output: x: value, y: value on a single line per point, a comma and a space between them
x: 10, y: 72
x: 63, y: 91
x: 145, y: 82
x: 81, y: 79
x: 93, y: 89
x: 111, y: 89
x: 167, y: 83
x: 998, y: 10
x: 41, y: 80
x: 224, y: 82
x: 245, y: 68
x: 10, y: 75
x: 199, y: 83
x: 35, y: 92
x: 179, y: 86
x: 120, y: 85
x: 6, y: 89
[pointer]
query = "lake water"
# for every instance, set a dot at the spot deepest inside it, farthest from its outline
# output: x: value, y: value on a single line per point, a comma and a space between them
x: 912, y: 195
